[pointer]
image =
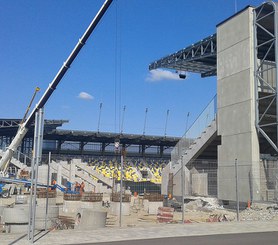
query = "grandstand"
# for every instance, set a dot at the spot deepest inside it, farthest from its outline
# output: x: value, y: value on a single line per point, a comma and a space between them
x: 135, y: 170
x: 144, y: 158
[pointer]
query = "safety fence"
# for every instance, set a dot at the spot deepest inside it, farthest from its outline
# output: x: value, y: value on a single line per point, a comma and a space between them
x: 213, y: 192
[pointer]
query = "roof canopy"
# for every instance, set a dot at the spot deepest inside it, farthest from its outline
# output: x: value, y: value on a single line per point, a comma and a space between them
x: 198, y: 58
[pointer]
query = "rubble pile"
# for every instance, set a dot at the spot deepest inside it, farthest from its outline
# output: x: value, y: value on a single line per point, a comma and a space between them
x: 260, y: 212
x: 202, y: 203
x: 206, y: 209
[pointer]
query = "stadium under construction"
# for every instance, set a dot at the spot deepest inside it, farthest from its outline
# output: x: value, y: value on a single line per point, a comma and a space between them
x: 230, y: 152
x: 149, y: 153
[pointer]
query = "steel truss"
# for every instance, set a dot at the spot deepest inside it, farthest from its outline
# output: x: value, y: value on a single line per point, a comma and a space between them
x: 9, y: 123
x: 198, y: 58
x: 265, y: 57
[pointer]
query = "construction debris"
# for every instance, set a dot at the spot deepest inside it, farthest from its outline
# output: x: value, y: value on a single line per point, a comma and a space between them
x: 260, y: 212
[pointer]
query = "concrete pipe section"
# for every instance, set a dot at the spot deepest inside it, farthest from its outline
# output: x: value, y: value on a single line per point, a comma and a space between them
x: 16, y: 218
x: 88, y: 219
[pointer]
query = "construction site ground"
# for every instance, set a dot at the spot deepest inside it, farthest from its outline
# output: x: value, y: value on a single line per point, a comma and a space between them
x: 202, y: 217
x: 154, y: 231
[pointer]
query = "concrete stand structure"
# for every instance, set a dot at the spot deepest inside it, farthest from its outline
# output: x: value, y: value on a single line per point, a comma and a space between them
x: 236, y: 106
x: 238, y: 143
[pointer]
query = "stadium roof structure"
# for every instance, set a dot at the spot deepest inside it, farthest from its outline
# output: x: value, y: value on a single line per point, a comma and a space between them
x: 107, y: 137
x: 9, y: 127
x: 197, y: 58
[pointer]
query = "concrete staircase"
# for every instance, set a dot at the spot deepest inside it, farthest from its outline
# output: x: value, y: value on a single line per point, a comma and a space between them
x: 78, y: 171
x: 105, y: 181
x: 199, y: 144
x: 14, y: 161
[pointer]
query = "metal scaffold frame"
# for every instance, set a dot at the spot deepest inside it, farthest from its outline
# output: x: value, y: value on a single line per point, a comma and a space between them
x: 265, y: 67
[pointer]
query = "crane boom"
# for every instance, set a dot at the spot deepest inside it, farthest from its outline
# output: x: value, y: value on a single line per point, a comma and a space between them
x: 23, y: 129
x: 29, y: 106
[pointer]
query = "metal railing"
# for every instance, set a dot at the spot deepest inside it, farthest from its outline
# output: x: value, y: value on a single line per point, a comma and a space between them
x: 26, y: 160
x: 18, y: 155
x: 195, y: 130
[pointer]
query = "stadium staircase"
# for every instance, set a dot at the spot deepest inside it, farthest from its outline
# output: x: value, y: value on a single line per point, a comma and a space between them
x: 83, y: 173
x: 102, y: 179
x: 15, y: 161
x: 200, y: 144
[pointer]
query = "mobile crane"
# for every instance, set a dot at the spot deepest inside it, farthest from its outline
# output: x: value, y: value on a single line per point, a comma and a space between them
x: 24, y: 127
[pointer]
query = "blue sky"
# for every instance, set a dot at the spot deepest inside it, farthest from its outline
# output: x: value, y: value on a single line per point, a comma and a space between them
x: 36, y: 37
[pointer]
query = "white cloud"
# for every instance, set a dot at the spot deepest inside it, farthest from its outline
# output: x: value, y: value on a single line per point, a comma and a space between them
x: 65, y: 107
x: 159, y: 74
x: 85, y: 96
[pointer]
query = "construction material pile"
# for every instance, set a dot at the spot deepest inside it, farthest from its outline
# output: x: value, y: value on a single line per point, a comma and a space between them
x: 260, y: 211
x: 206, y: 209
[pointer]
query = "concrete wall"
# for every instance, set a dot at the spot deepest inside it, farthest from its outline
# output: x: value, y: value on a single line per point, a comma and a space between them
x: 165, y: 179
x: 236, y: 108
x: 42, y: 174
x: 200, y: 184
x: 177, y: 184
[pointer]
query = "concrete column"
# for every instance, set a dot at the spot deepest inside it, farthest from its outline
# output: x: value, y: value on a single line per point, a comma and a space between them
x: 59, y: 174
x: 72, y: 171
x: 236, y: 108
x: 42, y: 174
x: 165, y: 179
x: 177, y: 191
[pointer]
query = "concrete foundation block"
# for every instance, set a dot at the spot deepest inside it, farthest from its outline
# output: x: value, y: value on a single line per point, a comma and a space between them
x: 17, y: 215
x: 115, y: 208
x: 93, y: 205
x: 16, y: 228
x: 59, y: 199
x: 146, y: 205
x: 42, y: 201
x: 71, y: 206
x: 89, y: 219
x: 40, y: 224
x: 52, y: 212
x: 153, y: 207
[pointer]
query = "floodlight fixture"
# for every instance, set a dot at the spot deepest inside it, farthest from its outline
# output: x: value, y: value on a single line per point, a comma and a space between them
x: 182, y: 76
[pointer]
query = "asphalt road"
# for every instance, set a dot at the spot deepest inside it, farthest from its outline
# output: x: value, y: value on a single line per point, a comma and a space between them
x: 264, y: 238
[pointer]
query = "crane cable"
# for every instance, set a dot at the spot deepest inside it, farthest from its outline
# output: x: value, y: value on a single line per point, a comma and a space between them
x: 117, y: 82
